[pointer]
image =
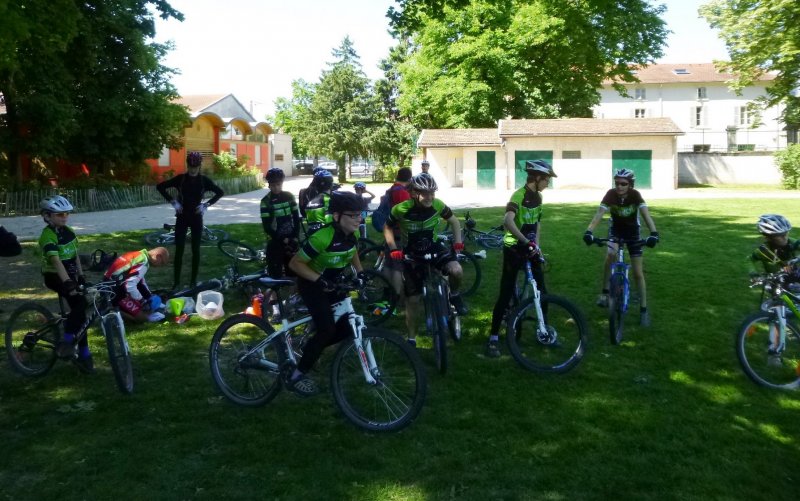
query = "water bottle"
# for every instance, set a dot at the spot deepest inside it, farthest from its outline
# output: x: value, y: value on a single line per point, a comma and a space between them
x: 258, y: 301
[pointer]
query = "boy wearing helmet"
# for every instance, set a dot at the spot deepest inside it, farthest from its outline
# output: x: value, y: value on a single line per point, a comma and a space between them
x: 778, y: 249
x: 281, y: 222
x: 425, y: 166
x: 189, y: 209
x: 132, y: 294
x: 317, y: 211
x: 319, y: 264
x: 416, y: 220
x: 625, y: 205
x: 520, y: 243
x: 62, y: 273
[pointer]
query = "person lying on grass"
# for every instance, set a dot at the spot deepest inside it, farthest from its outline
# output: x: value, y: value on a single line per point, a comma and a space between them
x: 133, y: 297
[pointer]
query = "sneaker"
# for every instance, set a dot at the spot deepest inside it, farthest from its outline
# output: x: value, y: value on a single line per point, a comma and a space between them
x: 602, y: 301
x: 458, y: 302
x: 65, y: 350
x: 303, y: 386
x: 412, y: 342
x: 644, y: 319
x: 492, y: 350
x: 85, y: 365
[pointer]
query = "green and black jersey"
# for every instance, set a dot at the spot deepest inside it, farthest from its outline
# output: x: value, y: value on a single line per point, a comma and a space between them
x: 526, y: 204
x: 279, y: 216
x: 318, y: 213
x: 328, y: 251
x: 624, y: 211
x: 60, y: 242
x: 774, y: 259
x: 416, y: 222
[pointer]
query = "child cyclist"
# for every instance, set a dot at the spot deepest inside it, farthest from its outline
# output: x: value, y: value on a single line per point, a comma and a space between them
x: 132, y: 294
x: 522, y: 222
x: 366, y: 198
x: 416, y: 220
x: 625, y: 205
x: 281, y: 223
x: 62, y: 273
x: 778, y: 249
x: 319, y: 263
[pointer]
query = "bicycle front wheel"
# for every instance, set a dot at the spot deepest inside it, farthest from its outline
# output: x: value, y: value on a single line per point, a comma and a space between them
x: 371, y: 257
x: 159, y: 238
x: 245, y: 377
x: 560, y: 348
x: 471, y: 278
x: 119, y: 354
x: 397, y: 396
x: 755, y: 346
x: 239, y: 251
x: 493, y: 239
x: 616, y: 309
x: 31, y: 337
x: 377, y: 300
x: 435, y: 315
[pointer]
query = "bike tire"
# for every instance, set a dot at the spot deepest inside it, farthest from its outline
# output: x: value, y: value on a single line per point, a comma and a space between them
x: 32, y: 334
x: 471, y: 277
x: 558, y: 351
x: 371, y: 257
x: 213, y: 235
x: 119, y: 353
x: 377, y: 300
x: 397, y: 398
x: 616, y: 309
x: 492, y: 239
x: 252, y: 381
x: 160, y: 238
x: 781, y: 371
x: 237, y: 250
x: 454, y: 326
x: 436, y: 324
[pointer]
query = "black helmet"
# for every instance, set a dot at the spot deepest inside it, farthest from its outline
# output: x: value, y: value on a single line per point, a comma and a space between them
x: 344, y: 201
x: 323, y: 180
x: 539, y: 167
x: 194, y: 159
x: 274, y: 175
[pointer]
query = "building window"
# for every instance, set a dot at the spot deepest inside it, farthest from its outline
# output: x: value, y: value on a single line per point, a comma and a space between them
x: 791, y: 135
x: 258, y: 155
x: 639, y: 113
x: 702, y: 93
x: 743, y: 116
x: 698, y: 116
x: 163, y: 159
x: 640, y: 94
x: 233, y: 149
x: 571, y: 154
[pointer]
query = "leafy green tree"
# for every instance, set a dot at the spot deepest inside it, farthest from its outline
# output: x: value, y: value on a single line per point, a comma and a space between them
x: 291, y: 116
x: 83, y: 81
x: 472, y: 62
x: 788, y: 161
x: 761, y: 36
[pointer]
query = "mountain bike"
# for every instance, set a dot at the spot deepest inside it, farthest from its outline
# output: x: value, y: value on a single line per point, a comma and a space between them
x: 545, y: 333
x: 377, y: 380
x: 33, y: 333
x: 441, y: 318
x: 492, y: 239
x: 166, y: 236
x: 619, y: 296
x: 768, y: 342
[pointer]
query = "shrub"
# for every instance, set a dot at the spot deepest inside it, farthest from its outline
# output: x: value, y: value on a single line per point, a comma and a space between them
x: 788, y: 161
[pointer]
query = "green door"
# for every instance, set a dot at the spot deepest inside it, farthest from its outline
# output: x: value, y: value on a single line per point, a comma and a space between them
x: 639, y: 161
x: 486, y: 170
x: 520, y: 176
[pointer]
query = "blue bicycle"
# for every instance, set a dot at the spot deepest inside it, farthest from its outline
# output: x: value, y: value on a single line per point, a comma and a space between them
x: 619, y: 290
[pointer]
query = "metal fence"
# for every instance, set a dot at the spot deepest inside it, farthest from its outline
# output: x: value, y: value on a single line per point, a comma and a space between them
x: 26, y: 203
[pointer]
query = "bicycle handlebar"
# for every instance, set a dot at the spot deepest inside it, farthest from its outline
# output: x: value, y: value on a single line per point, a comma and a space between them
x: 599, y: 241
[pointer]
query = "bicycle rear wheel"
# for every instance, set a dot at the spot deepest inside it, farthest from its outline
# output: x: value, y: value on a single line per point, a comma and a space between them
x: 31, y: 337
x: 396, y: 399
x: 377, y: 300
x: 616, y: 309
x: 492, y: 239
x: 245, y: 377
x: 213, y: 235
x: 557, y: 350
x: 119, y: 354
x: 471, y: 278
x: 159, y: 238
x: 237, y: 250
x: 757, y: 334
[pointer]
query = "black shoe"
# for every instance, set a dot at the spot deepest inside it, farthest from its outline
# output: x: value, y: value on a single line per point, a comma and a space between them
x: 492, y: 350
x: 65, y: 350
x: 458, y: 302
x: 85, y: 364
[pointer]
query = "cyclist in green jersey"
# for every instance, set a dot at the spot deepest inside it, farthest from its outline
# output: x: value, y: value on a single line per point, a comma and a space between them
x: 62, y: 273
x: 319, y: 264
x: 317, y: 211
x: 416, y: 219
x: 778, y: 249
x: 520, y: 243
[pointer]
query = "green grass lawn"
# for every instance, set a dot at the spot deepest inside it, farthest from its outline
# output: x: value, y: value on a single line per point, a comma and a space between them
x: 666, y: 415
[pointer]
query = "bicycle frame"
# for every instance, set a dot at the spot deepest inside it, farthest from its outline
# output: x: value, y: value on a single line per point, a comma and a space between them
x: 620, y: 268
x: 781, y: 301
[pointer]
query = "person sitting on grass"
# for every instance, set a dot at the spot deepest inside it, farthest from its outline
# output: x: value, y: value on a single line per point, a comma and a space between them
x: 62, y: 273
x: 132, y: 295
x: 778, y: 249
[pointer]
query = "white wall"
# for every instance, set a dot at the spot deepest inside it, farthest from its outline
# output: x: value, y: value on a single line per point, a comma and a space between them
x: 281, y: 144
x: 723, y: 168
x: 677, y: 100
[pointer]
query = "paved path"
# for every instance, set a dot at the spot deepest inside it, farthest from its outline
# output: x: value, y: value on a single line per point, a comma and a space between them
x: 243, y: 208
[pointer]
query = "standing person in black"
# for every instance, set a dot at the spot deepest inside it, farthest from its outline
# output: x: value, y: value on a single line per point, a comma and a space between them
x: 281, y: 222
x: 189, y: 210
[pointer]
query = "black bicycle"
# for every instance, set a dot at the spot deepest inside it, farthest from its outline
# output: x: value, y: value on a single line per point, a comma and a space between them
x: 33, y: 333
x: 492, y: 239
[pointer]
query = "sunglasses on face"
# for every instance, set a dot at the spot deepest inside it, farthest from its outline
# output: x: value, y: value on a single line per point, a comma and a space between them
x: 352, y: 216
x: 618, y: 183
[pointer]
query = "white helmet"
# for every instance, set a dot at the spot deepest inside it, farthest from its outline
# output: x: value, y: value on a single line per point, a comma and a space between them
x: 56, y: 204
x: 424, y: 182
x: 773, y: 224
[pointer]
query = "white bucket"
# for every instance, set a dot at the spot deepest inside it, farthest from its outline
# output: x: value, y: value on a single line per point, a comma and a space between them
x: 209, y: 305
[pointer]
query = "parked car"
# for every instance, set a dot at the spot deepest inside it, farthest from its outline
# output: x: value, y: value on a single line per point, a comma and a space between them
x: 304, y: 167
x: 331, y: 166
x: 360, y: 169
